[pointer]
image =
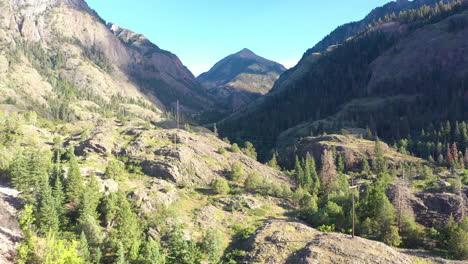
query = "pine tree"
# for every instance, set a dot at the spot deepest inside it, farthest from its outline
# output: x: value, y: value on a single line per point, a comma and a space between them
x: 59, y: 199
x: 120, y: 258
x: 151, y: 253
x: 365, y: 168
x: 84, y: 248
x: 311, y: 167
x: 75, y: 181
x: 48, y: 218
x: 298, y: 172
x: 340, y: 166
x: 57, y: 169
x: 128, y: 230
x: 213, y: 245
x: 307, y: 179
x: 273, y: 163
x: 19, y: 171
x: 440, y: 160
x: 378, y: 163
x: 181, y: 251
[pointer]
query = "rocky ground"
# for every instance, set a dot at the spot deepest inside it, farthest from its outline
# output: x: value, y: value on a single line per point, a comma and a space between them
x: 10, y: 233
x: 293, y: 242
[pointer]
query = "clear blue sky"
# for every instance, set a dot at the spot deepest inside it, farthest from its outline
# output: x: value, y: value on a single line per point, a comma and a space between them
x: 201, y: 32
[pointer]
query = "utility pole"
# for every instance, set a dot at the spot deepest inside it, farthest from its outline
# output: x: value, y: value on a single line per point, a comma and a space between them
x: 177, y: 115
x: 352, y: 187
x: 176, y: 138
x: 399, y: 197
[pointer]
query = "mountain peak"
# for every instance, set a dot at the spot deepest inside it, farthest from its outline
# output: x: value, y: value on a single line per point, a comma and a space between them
x: 246, y: 53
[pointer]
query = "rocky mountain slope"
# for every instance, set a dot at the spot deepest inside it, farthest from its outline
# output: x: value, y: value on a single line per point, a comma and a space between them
x: 384, y: 78
x: 241, y: 78
x: 48, y: 44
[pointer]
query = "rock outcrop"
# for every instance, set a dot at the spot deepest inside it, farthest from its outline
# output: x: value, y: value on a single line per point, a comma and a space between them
x: 282, y: 241
x: 10, y: 232
x: 194, y: 160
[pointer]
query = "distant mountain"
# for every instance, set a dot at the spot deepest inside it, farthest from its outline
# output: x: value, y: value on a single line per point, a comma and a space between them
x: 51, y: 46
x: 241, y: 78
x: 396, y: 77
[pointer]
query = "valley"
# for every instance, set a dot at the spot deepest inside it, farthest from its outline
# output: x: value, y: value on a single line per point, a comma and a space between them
x: 112, y: 151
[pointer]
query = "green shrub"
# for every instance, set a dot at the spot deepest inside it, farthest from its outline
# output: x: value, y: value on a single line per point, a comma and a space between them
x: 326, y: 228
x: 221, y: 150
x: 235, y: 148
x: 114, y: 171
x: 220, y: 186
x: 455, y: 184
x: 237, y: 172
x: 249, y: 150
x: 213, y: 245
x: 391, y: 237
x: 253, y: 181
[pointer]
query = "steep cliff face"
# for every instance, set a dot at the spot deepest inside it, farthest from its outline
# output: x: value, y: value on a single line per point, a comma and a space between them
x: 241, y: 78
x: 107, y: 60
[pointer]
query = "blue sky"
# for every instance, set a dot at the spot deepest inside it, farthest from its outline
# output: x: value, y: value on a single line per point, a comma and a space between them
x: 201, y: 32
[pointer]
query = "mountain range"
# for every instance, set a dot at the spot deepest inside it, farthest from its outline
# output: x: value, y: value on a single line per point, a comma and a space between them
x: 109, y: 152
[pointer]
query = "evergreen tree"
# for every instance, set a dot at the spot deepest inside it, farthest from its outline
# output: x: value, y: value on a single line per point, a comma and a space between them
x: 213, y: 245
x: 151, y: 253
x: 20, y: 177
x: 48, y: 219
x: 75, y: 181
x: 307, y: 177
x: 181, y: 251
x: 378, y: 163
x: 128, y: 230
x: 59, y: 198
x: 340, y: 166
x: 84, y: 248
x: 273, y: 163
x: 312, y: 172
x: 298, y: 172
x: 120, y: 258
x: 365, y: 168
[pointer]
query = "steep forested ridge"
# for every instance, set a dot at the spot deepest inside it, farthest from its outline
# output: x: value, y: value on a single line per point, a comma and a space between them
x: 384, y: 78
